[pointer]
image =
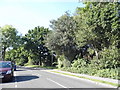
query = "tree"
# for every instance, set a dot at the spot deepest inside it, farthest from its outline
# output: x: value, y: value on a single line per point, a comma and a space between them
x: 34, y: 42
x: 8, y: 39
x: 62, y: 38
x: 19, y: 55
x: 100, y: 26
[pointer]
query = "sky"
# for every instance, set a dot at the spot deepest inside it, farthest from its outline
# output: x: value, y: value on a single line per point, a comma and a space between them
x: 27, y: 14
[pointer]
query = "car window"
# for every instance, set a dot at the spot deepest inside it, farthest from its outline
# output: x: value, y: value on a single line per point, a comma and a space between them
x: 5, y: 65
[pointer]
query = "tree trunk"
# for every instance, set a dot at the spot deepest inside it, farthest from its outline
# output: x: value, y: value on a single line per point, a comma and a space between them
x: 40, y: 62
x: 3, y: 53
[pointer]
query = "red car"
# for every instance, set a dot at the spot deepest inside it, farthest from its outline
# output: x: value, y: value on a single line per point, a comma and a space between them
x: 6, y: 71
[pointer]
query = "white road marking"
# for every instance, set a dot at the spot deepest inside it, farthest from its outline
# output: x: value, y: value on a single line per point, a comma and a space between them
x: 56, y: 82
x: 15, y: 80
x: 0, y: 87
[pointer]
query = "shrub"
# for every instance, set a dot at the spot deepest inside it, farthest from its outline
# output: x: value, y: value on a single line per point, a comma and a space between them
x: 60, y: 61
x: 79, y: 63
x: 107, y: 73
x: 109, y: 58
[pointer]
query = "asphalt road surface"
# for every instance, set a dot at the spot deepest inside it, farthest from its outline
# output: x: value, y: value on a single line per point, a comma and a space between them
x: 27, y: 78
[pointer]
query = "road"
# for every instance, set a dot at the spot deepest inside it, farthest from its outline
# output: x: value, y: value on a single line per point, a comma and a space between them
x: 27, y: 78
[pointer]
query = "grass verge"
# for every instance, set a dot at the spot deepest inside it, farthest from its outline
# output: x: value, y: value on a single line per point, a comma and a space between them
x: 101, y: 81
x: 37, y: 66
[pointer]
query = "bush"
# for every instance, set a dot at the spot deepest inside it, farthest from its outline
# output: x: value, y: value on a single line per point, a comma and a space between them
x: 109, y: 58
x: 79, y: 63
x: 106, y: 65
x: 60, y: 61
x: 26, y: 64
x: 66, y: 63
x: 108, y: 73
x: 30, y: 61
x: 63, y: 62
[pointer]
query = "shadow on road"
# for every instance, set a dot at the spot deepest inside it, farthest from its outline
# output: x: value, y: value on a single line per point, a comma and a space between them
x: 25, y: 78
x: 22, y: 78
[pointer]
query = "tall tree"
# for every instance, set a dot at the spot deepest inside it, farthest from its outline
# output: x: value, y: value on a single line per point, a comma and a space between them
x: 100, y: 25
x: 8, y: 39
x: 62, y: 37
x: 35, y: 44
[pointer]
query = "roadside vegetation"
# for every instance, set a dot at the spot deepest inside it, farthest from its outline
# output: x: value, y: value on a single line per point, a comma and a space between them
x: 38, y: 66
x: 87, y: 42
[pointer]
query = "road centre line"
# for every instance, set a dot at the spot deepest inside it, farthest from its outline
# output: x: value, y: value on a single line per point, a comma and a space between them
x: 56, y: 82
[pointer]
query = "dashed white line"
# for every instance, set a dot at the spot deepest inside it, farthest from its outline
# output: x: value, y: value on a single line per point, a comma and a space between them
x: 15, y: 80
x: 56, y: 82
x: 0, y: 87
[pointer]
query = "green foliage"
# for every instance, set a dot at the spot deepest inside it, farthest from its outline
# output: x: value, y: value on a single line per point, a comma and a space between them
x: 63, y: 62
x: 79, y: 63
x: 30, y: 61
x: 66, y: 63
x: 26, y: 64
x: 19, y: 56
x: 91, y: 51
x: 38, y: 66
x: 8, y: 39
x: 109, y: 58
x: 60, y: 61
x: 62, y: 38
x: 35, y: 45
x: 107, y: 73
x: 99, y: 28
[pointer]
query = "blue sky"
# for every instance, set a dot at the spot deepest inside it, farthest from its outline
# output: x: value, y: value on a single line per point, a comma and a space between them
x: 27, y: 14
